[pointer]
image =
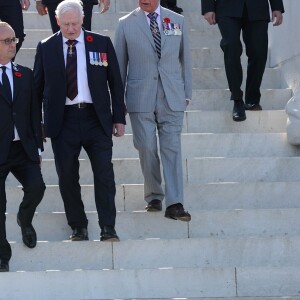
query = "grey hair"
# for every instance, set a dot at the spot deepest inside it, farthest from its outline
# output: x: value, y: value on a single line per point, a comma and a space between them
x: 68, y: 5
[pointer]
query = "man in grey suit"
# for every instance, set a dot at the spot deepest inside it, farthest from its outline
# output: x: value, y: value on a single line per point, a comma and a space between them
x: 152, y: 48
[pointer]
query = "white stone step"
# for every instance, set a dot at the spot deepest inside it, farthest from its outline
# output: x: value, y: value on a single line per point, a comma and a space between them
x: 129, y: 197
x: 221, y: 122
x: 266, y: 121
x: 119, y: 284
x: 207, y: 145
x: 214, y: 78
x: 143, y: 225
x: 215, y: 253
x: 138, y: 284
x: 224, y: 169
x: 218, y: 99
x: 195, y: 170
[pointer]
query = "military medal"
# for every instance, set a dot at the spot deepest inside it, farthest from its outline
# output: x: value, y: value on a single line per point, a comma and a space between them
x: 91, y: 59
x: 104, y: 59
x: 100, y: 60
x: 95, y: 56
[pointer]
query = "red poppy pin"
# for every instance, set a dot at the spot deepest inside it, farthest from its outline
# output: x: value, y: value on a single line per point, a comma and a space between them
x: 89, y: 38
x: 167, y: 20
x: 18, y: 74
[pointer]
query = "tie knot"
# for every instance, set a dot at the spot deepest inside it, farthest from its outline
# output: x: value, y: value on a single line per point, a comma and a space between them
x: 152, y: 16
x: 3, y: 69
x: 71, y: 43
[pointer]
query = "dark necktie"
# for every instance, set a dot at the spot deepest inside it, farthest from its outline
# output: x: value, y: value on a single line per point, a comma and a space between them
x: 5, y: 84
x: 155, y: 32
x: 71, y: 70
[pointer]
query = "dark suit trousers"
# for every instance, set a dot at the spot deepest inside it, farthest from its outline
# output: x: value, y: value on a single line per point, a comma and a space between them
x: 28, y: 173
x: 81, y: 128
x: 11, y: 12
x: 255, y: 36
x: 87, y: 21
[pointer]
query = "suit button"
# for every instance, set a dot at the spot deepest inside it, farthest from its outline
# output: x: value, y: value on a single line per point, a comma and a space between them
x: 13, y: 113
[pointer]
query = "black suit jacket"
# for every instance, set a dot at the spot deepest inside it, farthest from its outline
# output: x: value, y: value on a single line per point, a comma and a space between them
x: 50, y: 80
x: 24, y: 112
x: 258, y: 10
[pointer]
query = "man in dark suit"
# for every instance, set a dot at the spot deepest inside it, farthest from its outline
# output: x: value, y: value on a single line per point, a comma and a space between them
x: 11, y: 12
x: 80, y: 111
x: 172, y: 5
x: 252, y: 18
x: 49, y: 6
x: 20, y: 138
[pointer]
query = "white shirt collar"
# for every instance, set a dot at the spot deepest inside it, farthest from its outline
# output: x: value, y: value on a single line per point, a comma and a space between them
x: 8, y: 65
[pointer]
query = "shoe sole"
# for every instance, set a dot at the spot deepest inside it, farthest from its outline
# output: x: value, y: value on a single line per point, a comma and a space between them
x: 239, y: 119
x: 78, y: 239
x: 152, y: 209
x: 183, y: 219
x: 110, y: 240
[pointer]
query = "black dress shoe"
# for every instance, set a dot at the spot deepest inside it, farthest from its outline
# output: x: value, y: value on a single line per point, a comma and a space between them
x: 4, y: 266
x: 176, y: 212
x: 154, y: 205
x: 254, y: 107
x: 28, y: 234
x: 108, y: 234
x: 238, y: 113
x: 79, y: 234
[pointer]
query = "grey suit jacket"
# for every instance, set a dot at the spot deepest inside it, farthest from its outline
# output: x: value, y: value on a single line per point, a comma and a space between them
x: 141, y: 68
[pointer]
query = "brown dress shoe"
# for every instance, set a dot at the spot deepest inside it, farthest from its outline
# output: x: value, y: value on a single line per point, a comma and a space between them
x: 154, y: 205
x: 176, y: 212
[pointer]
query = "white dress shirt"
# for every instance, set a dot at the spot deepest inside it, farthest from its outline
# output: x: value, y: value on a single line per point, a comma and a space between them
x: 84, y: 94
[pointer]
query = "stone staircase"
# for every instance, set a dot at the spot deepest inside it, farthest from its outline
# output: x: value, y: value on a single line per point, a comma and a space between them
x: 241, y: 187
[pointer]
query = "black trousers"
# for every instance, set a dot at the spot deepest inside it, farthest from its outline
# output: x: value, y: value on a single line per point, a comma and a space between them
x: 11, y: 12
x: 28, y: 173
x: 255, y: 37
x: 82, y: 129
x: 87, y: 21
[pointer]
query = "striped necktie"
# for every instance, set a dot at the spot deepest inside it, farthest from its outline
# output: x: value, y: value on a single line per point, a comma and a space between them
x: 71, y: 70
x: 155, y: 32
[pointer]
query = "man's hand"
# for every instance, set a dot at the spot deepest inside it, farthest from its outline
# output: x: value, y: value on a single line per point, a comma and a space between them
x: 118, y: 129
x: 105, y: 5
x: 25, y: 4
x: 277, y: 17
x: 41, y: 8
x: 210, y: 17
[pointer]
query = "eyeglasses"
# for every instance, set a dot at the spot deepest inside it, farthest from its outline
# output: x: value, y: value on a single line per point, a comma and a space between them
x: 9, y: 41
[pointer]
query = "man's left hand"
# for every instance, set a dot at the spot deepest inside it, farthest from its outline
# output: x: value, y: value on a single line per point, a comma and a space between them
x: 277, y: 17
x: 118, y: 129
x: 105, y: 5
x: 25, y: 4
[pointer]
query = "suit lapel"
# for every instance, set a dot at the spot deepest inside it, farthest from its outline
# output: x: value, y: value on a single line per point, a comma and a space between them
x: 16, y: 81
x: 143, y: 25
x: 58, y: 52
x: 163, y: 14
